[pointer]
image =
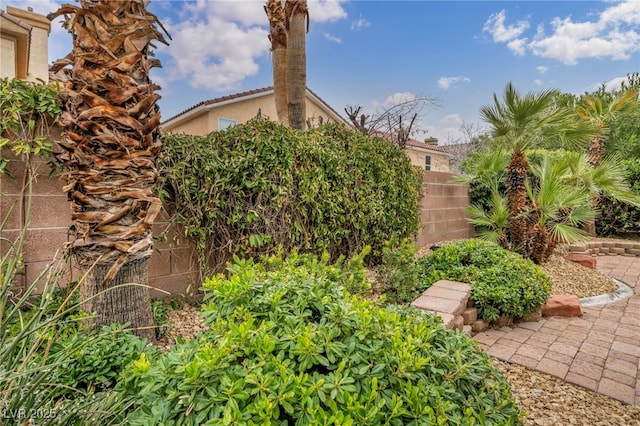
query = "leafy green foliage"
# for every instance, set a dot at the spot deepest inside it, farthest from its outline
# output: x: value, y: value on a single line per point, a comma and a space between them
x: 91, y: 362
x: 252, y: 188
x: 502, y: 282
x: 618, y: 218
x: 288, y: 345
x: 27, y: 112
x: 397, y: 275
x: 33, y: 381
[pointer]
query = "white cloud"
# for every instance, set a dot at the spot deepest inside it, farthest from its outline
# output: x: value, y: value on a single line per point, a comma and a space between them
x: 614, y: 33
x: 331, y: 37
x: 500, y: 32
x: 447, y: 82
x: 613, y: 84
x: 217, y: 44
x: 398, y: 98
x: 360, y: 24
x: 242, y: 12
x: 214, y: 52
x: 538, y: 82
x: 326, y: 10
x: 542, y: 69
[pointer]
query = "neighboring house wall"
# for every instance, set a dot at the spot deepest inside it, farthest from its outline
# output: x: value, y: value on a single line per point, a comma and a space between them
x: 203, y: 118
x: 439, y: 161
x: 24, y: 45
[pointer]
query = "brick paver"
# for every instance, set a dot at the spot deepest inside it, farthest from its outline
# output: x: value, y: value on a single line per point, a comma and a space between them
x: 599, y: 351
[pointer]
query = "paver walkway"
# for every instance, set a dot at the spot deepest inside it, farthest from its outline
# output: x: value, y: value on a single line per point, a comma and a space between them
x: 599, y: 351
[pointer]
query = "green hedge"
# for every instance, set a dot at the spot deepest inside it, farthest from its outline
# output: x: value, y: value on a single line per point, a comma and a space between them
x: 617, y: 218
x: 502, y: 282
x: 254, y: 187
x: 288, y: 345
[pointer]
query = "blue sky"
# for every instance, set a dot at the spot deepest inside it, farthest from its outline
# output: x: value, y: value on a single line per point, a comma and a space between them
x: 369, y: 53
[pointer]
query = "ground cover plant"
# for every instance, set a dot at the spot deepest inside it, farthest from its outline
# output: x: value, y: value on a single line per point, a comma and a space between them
x: 502, y: 282
x: 288, y: 345
x: 51, y: 372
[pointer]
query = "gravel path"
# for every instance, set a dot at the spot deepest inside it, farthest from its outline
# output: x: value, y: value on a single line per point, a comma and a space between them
x: 546, y: 400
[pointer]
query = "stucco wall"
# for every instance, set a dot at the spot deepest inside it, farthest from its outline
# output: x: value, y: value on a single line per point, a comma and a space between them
x: 439, y: 162
x: 241, y: 111
x: 7, y: 57
x: 37, y: 45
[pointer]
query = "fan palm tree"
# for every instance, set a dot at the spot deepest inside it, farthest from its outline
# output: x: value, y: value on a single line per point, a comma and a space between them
x: 519, y: 122
x: 600, y: 111
x: 109, y: 153
x: 278, y: 38
x: 297, y: 18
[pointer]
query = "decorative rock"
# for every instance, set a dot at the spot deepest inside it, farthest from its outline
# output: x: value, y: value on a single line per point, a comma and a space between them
x: 562, y: 305
x: 582, y: 259
x: 468, y: 330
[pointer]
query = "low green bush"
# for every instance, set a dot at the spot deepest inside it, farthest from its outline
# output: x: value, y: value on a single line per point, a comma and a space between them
x: 502, y: 282
x: 289, y: 345
x: 89, y: 362
x: 397, y: 275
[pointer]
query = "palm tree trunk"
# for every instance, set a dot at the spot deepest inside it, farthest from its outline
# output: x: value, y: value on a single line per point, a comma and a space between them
x: 278, y: 38
x: 595, y: 151
x: 109, y: 152
x: 517, y: 201
x: 118, y: 301
x: 297, y: 16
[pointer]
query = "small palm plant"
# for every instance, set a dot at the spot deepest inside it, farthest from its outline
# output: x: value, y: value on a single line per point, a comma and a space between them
x: 559, y: 191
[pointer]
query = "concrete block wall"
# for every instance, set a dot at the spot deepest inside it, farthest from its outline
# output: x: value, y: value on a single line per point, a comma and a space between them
x: 172, y: 268
x: 443, y: 209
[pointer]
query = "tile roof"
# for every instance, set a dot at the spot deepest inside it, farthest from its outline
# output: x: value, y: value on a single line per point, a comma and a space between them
x: 418, y: 144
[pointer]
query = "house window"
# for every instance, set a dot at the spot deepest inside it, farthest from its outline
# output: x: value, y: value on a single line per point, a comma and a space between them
x: 427, y: 162
x: 223, y: 123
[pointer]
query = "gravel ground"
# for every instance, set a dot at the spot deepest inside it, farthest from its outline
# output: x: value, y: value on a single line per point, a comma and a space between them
x: 546, y: 400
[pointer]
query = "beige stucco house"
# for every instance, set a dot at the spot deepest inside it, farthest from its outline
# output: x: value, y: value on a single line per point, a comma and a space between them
x: 219, y: 113
x: 24, y: 50
x: 428, y: 155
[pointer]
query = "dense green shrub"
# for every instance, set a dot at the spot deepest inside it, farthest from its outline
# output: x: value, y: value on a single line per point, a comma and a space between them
x: 617, y: 218
x: 502, y: 282
x: 288, y: 345
x: 397, y: 274
x: 88, y: 362
x: 258, y: 186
